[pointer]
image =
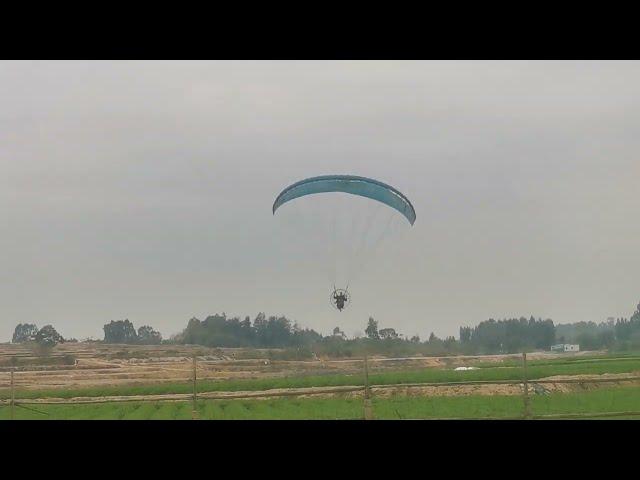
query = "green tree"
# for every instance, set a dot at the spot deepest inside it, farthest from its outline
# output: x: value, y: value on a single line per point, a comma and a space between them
x: 24, y: 332
x: 120, y: 331
x: 587, y: 341
x: 465, y: 334
x: 606, y: 339
x: 148, y: 336
x: 387, y: 333
x: 372, y: 329
x: 449, y: 342
x: 48, y: 337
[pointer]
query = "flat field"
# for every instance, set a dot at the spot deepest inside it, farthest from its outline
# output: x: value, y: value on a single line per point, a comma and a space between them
x: 110, y: 382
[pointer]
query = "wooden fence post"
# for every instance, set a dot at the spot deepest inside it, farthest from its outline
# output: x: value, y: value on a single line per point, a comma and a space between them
x: 527, y: 405
x: 194, y: 409
x: 13, y: 398
x: 368, y: 407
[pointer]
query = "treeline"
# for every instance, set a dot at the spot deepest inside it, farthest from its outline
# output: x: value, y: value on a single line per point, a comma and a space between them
x: 295, y: 342
x: 503, y: 336
x: 118, y: 331
x: 515, y: 335
x: 620, y: 333
x: 488, y: 337
x: 509, y: 335
x: 220, y: 331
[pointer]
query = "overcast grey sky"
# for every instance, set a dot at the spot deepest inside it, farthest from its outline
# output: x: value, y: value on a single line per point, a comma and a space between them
x: 143, y: 190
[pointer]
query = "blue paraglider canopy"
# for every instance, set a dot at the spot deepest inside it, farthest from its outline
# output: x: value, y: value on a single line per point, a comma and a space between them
x: 362, y: 186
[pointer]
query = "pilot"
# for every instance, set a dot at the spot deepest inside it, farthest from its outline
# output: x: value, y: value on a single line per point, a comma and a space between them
x: 340, y: 299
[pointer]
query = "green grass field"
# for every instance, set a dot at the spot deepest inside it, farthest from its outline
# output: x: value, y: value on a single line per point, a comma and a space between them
x: 508, y: 371
x: 397, y: 407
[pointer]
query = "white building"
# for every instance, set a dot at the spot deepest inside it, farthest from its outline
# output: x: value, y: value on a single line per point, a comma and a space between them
x: 565, y: 347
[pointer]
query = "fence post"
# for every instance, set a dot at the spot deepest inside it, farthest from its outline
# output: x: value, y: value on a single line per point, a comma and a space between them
x: 13, y: 398
x: 368, y: 408
x: 194, y: 409
x: 527, y: 406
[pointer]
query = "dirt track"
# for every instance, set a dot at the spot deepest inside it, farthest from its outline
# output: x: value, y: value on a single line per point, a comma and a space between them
x: 547, y: 385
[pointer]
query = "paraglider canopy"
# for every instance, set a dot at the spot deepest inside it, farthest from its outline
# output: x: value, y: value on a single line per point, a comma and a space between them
x: 348, y: 226
x: 354, y: 185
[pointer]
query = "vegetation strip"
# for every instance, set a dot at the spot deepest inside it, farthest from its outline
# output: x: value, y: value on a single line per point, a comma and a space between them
x: 508, y: 382
x: 602, y: 403
x: 587, y: 415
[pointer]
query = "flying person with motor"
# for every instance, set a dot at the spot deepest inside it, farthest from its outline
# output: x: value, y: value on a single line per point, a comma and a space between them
x: 339, y: 298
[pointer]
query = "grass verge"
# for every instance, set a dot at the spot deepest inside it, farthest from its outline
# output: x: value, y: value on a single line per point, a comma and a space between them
x: 396, y: 407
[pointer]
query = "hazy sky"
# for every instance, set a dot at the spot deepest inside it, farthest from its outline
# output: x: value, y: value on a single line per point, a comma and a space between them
x: 143, y: 190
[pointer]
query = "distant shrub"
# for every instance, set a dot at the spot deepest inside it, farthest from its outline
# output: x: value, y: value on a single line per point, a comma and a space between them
x: 69, y: 360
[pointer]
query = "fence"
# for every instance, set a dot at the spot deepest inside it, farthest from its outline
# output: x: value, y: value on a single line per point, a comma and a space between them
x: 366, y: 389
